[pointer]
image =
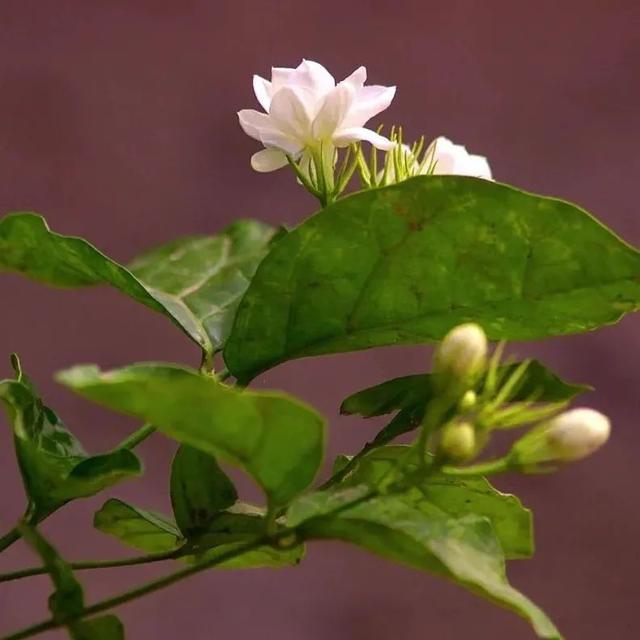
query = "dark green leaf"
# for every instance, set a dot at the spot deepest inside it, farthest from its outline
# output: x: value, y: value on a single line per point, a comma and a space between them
x: 404, y: 264
x: 462, y: 549
x: 195, y: 281
x: 276, y: 439
x: 67, y: 601
x: 143, y: 530
x: 199, y: 489
x: 417, y: 390
x: 54, y: 466
x: 455, y: 496
x: 103, y: 628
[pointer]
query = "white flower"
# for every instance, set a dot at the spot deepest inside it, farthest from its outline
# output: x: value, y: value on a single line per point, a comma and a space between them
x: 449, y: 158
x: 572, y: 435
x: 304, y: 108
x: 463, y: 351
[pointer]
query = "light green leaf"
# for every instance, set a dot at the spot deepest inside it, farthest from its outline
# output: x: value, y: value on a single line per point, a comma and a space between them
x: 463, y: 549
x: 144, y: 530
x: 406, y: 263
x: 276, y: 439
x: 54, y: 466
x: 194, y: 281
x: 206, y: 274
x: 418, y: 390
x: 199, y: 489
x: 102, y: 628
x: 512, y: 522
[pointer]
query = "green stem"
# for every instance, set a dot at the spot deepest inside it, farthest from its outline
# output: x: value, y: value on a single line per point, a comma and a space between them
x: 9, y: 538
x: 481, y: 469
x: 97, y: 564
x: 137, y: 437
x: 143, y: 590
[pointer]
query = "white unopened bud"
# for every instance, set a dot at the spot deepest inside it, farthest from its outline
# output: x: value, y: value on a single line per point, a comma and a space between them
x: 458, y: 441
x: 572, y: 435
x: 463, y: 352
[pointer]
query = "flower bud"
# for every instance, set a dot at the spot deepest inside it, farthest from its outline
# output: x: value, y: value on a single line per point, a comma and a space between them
x: 458, y: 441
x: 572, y: 435
x: 468, y: 400
x: 463, y: 352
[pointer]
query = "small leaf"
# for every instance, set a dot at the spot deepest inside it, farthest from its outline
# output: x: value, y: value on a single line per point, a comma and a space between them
x: 154, y: 533
x: 103, y: 628
x: 464, y: 549
x: 54, y: 466
x: 67, y: 601
x: 406, y: 263
x: 417, y: 390
x: 144, y: 530
x: 199, y: 489
x: 196, y: 282
x: 275, y: 438
x: 512, y: 522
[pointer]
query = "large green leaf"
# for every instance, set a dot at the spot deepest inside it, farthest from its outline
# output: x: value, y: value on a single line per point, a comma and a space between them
x: 276, y: 439
x: 417, y: 390
x: 199, y: 489
x: 54, y: 466
x: 195, y: 281
x: 462, y: 549
x: 154, y: 533
x: 404, y: 264
x: 455, y: 496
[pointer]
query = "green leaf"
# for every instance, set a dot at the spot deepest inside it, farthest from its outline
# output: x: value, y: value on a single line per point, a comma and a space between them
x: 463, y: 549
x: 154, y: 533
x: 144, y: 530
x: 406, y: 263
x: 67, y: 601
x: 54, y: 466
x: 512, y: 522
x: 276, y: 439
x: 102, y: 628
x: 414, y: 391
x: 195, y: 281
x: 207, y: 274
x: 199, y: 489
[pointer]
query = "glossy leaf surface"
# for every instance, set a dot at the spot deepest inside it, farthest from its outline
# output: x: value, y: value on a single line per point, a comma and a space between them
x: 406, y: 263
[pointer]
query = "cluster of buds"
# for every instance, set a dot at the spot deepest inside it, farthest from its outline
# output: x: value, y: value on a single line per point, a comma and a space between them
x: 481, y: 399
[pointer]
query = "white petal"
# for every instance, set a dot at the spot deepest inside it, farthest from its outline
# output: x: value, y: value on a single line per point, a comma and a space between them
x: 253, y: 122
x: 268, y: 160
x: 454, y: 159
x: 345, y: 137
x: 357, y: 78
x: 315, y: 76
x: 290, y: 112
x: 369, y: 102
x: 332, y: 111
x: 281, y: 77
x: 262, y: 89
x: 281, y: 141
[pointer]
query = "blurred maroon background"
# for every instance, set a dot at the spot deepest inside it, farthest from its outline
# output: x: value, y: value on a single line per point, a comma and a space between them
x: 117, y: 122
